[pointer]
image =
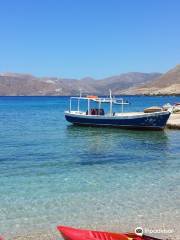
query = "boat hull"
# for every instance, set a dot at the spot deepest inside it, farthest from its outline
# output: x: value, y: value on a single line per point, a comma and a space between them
x: 152, y: 121
x: 69, y: 233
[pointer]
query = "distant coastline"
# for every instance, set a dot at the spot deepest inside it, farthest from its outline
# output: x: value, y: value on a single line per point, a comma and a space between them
x: 100, y: 95
x: 132, y: 83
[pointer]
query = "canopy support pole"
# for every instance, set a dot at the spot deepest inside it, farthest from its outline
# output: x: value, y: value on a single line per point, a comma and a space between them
x: 78, y: 104
x: 110, y: 96
x: 88, y: 107
x: 70, y: 105
x: 99, y: 104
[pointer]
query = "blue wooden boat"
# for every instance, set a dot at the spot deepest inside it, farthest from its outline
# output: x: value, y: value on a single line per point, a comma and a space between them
x: 130, y: 120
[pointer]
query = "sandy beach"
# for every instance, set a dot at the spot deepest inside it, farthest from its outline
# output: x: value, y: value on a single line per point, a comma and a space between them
x: 39, y: 236
x: 56, y: 236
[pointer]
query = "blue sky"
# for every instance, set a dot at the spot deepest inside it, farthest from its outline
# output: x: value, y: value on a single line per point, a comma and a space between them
x: 98, y: 38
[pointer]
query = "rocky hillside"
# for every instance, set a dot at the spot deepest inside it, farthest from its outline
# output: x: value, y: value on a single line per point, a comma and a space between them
x: 166, y: 84
x: 13, y: 84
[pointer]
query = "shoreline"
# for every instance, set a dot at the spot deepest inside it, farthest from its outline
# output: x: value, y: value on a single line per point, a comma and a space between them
x: 50, y: 232
x: 55, y: 235
x: 100, y: 95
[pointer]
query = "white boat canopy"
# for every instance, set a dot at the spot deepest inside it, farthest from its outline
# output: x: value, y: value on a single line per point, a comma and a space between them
x: 111, y: 100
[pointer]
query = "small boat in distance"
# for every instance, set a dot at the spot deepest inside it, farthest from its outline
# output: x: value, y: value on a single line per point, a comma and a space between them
x: 155, y: 120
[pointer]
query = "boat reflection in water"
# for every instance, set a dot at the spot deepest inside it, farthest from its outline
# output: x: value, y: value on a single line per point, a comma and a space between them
x: 98, y: 117
x: 98, y: 147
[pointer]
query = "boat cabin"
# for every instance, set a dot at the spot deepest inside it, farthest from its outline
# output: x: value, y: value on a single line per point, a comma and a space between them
x: 96, y: 111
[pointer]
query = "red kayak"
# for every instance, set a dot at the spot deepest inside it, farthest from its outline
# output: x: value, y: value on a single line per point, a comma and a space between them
x: 70, y: 233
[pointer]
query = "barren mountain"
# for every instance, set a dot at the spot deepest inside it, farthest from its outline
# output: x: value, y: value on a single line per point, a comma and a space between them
x: 124, y: 81
x: 13, y: 84
x: 168, y: 83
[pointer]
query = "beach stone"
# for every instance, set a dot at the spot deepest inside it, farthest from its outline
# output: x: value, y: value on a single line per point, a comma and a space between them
x: 174, y: 121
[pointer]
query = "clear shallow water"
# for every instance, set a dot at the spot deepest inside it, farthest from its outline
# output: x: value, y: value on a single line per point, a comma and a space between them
x: 53, y: 173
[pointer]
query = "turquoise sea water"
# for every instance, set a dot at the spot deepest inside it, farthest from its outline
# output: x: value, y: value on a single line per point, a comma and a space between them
x: 111, y: 179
